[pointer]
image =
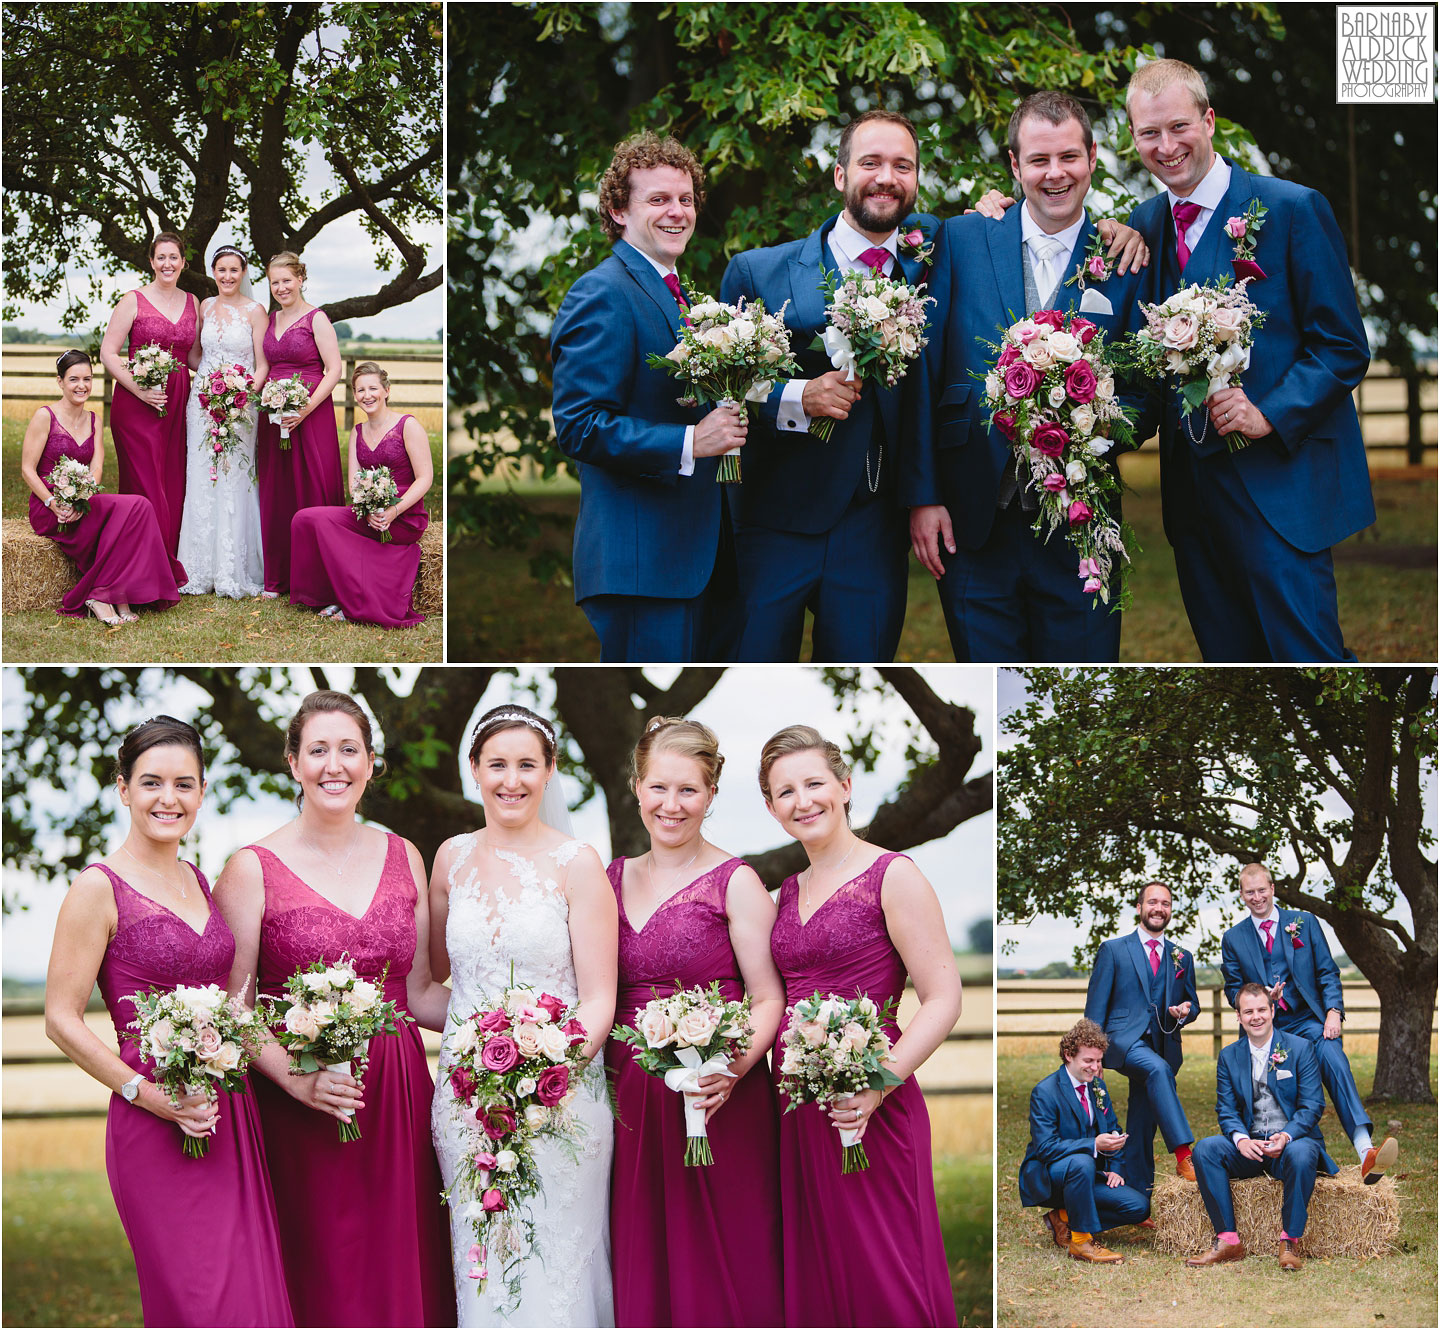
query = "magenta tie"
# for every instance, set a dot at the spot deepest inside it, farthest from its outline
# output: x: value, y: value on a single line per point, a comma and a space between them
x: 1269, y: 939
x: 1185, y: 213
x: 1154, y: 956
x: 876, y: 259
x: 673, y: 282
x: 1085, y: 1101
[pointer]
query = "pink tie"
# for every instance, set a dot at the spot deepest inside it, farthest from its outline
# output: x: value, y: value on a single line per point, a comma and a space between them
x: 1085, y: 1101
x: 1154, y: 956
x: 673, y: 283
x: 1185, y: 213
x: 877, y: 259
x: 1269, y: 940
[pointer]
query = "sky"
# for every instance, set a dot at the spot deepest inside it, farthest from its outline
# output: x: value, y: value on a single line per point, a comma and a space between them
x: 748, y: 705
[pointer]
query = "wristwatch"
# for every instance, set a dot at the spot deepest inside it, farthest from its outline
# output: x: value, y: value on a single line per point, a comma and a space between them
x: 131, y: 1088
x: 50, y: 502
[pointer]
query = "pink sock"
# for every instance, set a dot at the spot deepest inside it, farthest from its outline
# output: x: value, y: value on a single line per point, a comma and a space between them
x: 1285, y: 1237
x: 1229, y: 1239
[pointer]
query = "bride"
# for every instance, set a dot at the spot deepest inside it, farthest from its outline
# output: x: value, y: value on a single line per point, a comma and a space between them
x: 520, y: 893
x: 220, y: 530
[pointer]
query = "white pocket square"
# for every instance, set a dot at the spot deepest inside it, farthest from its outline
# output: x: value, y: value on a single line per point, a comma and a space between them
x: 1092, y: 302
x: 1284, y: 1075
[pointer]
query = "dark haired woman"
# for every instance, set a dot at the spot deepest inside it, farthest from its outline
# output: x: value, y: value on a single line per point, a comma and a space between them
x: 361, y: 1225
x: 347, y: 564
x: 149, y: 423
x: 204, y: 1233
x: 115, y: 543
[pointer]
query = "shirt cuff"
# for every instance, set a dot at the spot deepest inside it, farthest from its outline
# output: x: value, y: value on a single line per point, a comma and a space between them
x: 791, y: 415
x: 1238, y: 1136
x: 687, y: 452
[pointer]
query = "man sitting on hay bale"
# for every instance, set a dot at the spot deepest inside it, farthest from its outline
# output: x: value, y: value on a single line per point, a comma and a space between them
x: 1073, y: 1135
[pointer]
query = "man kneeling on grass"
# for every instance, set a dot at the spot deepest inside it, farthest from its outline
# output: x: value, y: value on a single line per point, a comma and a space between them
x: 1074, y: 1135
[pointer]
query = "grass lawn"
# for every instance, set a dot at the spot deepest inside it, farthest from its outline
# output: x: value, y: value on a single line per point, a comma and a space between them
x: 1039, y: 1286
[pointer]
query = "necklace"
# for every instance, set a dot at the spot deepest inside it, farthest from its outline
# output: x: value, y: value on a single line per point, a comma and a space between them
x: 674, y: 877
x: 810, y: 872
x: 324, y: 856
x: 152, y: 873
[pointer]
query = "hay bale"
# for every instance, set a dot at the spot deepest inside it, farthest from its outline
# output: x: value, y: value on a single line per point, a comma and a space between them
x: 429, y: 598
x: 36, y: 575
x: 1347, y: 1218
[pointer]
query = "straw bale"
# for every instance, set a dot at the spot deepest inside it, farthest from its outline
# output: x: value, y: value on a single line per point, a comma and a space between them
x: 1347, y: 1218
x: 36, y: 575
x: 430, y: 581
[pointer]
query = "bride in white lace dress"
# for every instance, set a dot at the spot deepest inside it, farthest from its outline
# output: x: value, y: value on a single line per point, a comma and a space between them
x: 519, y: 892
x: 220, y: 527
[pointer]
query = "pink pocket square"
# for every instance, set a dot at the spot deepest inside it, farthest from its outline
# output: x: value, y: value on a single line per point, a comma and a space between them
x: 1247, y: 268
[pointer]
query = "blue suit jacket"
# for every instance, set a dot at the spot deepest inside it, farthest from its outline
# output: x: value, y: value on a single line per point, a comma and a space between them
x: 1118, y: 998
x: 1314, y: 976
x: 794, y: 481
x: 979, y: 283
x: 1310, y: 479
x: 1300, y: 1094
x: 644, y: 529
x: 1058, y: 1128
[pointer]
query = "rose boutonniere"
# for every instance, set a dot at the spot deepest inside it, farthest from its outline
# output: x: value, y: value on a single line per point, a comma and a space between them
x: 1277, y: 1056
x: 1097, y: 1092
x: 1177, y: 958
x: 1293, y: 929
x: 915, y: 244
x: 1243, y: 230
x: 1094, y: 267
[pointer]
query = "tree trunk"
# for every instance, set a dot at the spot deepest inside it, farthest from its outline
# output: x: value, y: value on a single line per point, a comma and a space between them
x: 1402, y: 1061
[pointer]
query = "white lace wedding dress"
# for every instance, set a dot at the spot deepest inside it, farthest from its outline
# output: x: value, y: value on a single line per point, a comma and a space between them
x: 506, y: 908
x: 220, y: 526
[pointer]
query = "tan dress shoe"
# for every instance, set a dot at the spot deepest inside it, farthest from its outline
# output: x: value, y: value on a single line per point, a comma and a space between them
x: 1290, y: 1259
x: 1185, y: 1168
x: 1379, y: 1160
x: 1219, y: 1254
x: 1059, y: 1225
x: 1093, y: 1252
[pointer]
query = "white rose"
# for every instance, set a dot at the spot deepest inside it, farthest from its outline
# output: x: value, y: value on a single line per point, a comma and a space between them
x: 1075, y: 472
x: 506, y: 1161
x: 323, y: 1013
x: 696, y: 1028
x: 772, y: 353
x: 553, y: 1043
x: 536, y: 1116
x: 717, y: 336
x: 464, y: 1038
x: 527, y: 1039
x: 992, y: 384
x: 874, y: 309
x: 227, y: 1057
x: 317, y: 982
x: 1064, y: 346
x: 705, y: 309
x: 1056, y: 395
x: 790, y: 1061
x: 525, y: 1087
x: 742, y: 330
x: 1099, y: 447
x: 865, y: 1007
x: 339, y: 976
x: 1038, y: 354
x: 364, y: 995
x: 679, y: 353
x: 657, y: 1027
x: 202, y: 1002
x: 1083, y: 418
x: 909, y: 342
x: 1105, y: 387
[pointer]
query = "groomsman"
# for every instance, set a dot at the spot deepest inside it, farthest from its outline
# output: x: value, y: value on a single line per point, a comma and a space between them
x: 1252, y: 530
x: 1268, y: 1100
x: 1142, y: 993
x: 1286, y: 952
x: 816, y: 522
x: 1074, y: 1137
x: 648, y: 538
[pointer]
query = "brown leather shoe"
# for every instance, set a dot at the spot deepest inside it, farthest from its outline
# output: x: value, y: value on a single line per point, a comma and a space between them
x: 1146, y: 1223
x: 1219, y: 1254
x: 1290, y: 1259
x: 1093, y: 1252
x: 1379, y: 1160
x: 1058, y: 1222
x: 1185, y: 1168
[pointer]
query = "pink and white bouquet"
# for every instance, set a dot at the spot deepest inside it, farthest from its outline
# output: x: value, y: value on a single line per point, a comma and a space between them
x: 285, y: 397
x: 151, y: 367
x: 374, y: 491
x: 1201, y: 338
x: 72, y: 484
x: 514, y: 1066
x: 875, y: 329
x: 1051, y: 392
x: 729, y: 354
x: 225, y: 395
x: 195, y: 1039
x: 326, y: 1019
x: 833, y: 1048
x: 692, y: 1033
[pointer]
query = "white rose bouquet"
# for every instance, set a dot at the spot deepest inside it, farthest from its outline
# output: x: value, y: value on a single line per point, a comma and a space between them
x: 833, y: 1048
x: 195, y: 1039
x: 73, y: 485
x: 1201, y: 338
x: 692, y: 1033
x: 225, y: 397
x: 729, y: 354
x: 374, y: 491
x: 875, y: 330
x: 284, y: 397
x: 512, y: 1065
x: 327, y: 1018
x: 151, y: 367
x: 1051, y: 392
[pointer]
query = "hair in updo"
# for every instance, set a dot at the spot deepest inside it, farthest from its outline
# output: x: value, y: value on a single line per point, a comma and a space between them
x: 172, y: 238
x: 369, y: 367
x: 687, y: 738
x: 801, y: 739
x: 288, y: 258
x: 154, y: 733
x: 69, y: 360
x: 512, y: 717
x: 318, y: 703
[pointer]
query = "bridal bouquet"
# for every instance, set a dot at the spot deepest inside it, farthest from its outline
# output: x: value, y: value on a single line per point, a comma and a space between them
x: 284, y: 397
x: 326, y: 1021
x: 374, y: 491
x: 224, y: 396
x: 512, y: 1067
x: 1201, y: 337
x: 1051, y: 392
x: 729, y: 354
x: 835, y: 1047
x: 151, y: 367
x: 73, y: 484
x: 690, y: 1034
x: 195, y: 1039
x: 875, y: 330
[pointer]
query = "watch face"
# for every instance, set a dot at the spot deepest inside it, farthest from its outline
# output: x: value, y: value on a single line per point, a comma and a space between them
x: 130, y: 1090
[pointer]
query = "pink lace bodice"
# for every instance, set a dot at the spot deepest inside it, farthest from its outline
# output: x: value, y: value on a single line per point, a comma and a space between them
x: 294, y: 351
x: 152, y: 327
x: 391, y: 452
x: 61, y: 443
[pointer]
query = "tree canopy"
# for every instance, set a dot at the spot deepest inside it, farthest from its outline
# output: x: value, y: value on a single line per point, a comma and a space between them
x: 1323, y: 775
x: 125, y: 120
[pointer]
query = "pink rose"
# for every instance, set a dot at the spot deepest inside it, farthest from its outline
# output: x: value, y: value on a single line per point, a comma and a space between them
x: 1089, y: 568
x: 476, y: 1257
x: 1082, y: 330
x: 1080, y: 382
x: 1095, y: 265
x: 1021, y: 379
x: 496, y: 1121
x: 484, y: 1159
x: 493, y: 1021
x: 499, y: 1054
x: 527, y: 1038
x: 207, y: 1042
x: 1235, y: 228
x: 462, y: 1082
x: 1050, y: 439
x: 1008, y: 356
x: 553, y: 1005
x: 1228, y: 323
x: 574, y: 1031
x: 552, y: 1085
x: 1005, y: 422
x: 1181, y: 332
x: 1049, y: 318
x: 242, y: 400
x: 219, y: 447
x: 1054, y: 482
x: 492, y: 1199
x: 1091, y: 584
x: 914, y: 239
x: 1080, y: 513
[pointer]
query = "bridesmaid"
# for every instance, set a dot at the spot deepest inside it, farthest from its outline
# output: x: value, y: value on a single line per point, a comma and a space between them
x: 300, y: 340
x: 862, y: 1249
x: 339, y: 561
x: 693, y: 1246
x: 115, y: 543
x: 149, y: 423
x: 363, y: 1234
x: 204, y: 1234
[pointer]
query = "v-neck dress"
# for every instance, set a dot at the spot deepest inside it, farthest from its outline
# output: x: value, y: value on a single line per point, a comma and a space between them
x: 364, y: 1236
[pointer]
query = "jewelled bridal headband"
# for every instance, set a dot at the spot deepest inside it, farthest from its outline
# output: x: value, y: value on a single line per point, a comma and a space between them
x: 524, y: 717
x: 228, y: 249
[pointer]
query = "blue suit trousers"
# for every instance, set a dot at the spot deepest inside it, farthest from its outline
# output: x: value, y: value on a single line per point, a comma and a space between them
x: 1154, y: 1102
x: 1089, y: 1204
x: 1335, y: 1071
x: 1217, y: 1160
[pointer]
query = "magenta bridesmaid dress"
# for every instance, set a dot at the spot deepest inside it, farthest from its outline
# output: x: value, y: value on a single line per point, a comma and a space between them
x: 338, y: 559
x: 307, y: 475
x: 363, y: 1234
x: 860, y: 1248
x: 150, y: 447
x: 690, y: 1246
x: 204, y: 1232
x: 115, y: 543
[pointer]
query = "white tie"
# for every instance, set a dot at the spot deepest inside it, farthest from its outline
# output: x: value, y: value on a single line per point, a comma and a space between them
x: 1044, y: 250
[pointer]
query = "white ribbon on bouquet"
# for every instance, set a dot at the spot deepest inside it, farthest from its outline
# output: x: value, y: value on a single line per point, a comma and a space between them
x: 686, y: 1080
x: 840, y: 351
x: 344, y: 1069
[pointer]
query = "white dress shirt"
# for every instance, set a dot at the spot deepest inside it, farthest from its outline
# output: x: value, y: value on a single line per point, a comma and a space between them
x: 1146, y: 938
x: 687, y: 449
x: 1030, y: 228
x: 1209, y: 194
x: 1274, y: 916
x: 1258, y: 1072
